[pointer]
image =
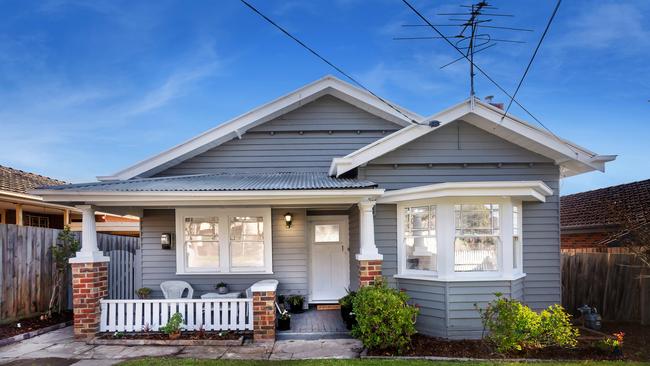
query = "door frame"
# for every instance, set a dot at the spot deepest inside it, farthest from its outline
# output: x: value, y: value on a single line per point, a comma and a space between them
x: 343, y: 221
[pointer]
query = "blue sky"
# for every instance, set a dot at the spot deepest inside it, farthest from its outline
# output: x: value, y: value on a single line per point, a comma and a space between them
x: 90, y: 87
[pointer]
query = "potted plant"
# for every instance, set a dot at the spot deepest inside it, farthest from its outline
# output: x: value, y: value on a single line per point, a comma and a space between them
x: 613, y: 344
x: 346, y: 309
x: 173, y: 326
x: 221, y: 288
x: 284, y: 320
x: 295, y: 303
x: 143, y: 293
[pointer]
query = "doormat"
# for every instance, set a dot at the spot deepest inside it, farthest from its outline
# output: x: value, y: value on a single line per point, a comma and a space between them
x: 328, y: 307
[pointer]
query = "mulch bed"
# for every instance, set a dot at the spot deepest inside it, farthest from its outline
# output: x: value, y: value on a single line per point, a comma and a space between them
x: 423, y: 346
x: 31, y: 324
x: 193, y: 335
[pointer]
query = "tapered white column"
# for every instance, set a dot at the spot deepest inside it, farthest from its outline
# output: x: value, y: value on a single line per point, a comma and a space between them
x: 89, y: 252
x: 367, y: 248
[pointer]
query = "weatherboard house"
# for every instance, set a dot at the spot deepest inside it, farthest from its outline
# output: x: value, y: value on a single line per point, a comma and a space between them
x: 325, y: 189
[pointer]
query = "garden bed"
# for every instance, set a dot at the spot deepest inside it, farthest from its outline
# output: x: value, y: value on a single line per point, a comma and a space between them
x: 32, y: 326
x: 193, y: 338
x: 423, y: 346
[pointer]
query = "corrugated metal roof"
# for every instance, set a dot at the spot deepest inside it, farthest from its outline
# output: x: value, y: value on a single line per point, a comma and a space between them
x: 222, y: 182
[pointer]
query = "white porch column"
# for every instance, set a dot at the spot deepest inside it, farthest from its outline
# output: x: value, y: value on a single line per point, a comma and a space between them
x: 89, y: 252
x: 367, y: 248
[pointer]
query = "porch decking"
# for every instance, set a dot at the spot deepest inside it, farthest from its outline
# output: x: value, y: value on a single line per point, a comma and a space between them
x: 315, y: 324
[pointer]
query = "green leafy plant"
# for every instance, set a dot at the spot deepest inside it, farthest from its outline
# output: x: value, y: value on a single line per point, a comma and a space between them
x: 296, y: 303
x: 384, y: 318
x: 65, y: 248
x: 143, y: 292
x: 513, y: 326
x: 118, y: 335
x: 347, y: 311
x: 173, y: 326
x: 612, y: 344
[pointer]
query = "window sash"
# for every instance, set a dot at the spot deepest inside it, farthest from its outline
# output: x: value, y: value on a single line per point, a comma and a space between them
x: 237, y: 230
x: 419, y: 228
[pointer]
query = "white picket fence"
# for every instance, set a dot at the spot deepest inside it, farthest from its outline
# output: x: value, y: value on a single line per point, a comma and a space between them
x: 150, y: 314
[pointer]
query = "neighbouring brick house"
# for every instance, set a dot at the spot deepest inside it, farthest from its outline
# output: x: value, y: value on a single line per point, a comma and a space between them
x: 588, y: 219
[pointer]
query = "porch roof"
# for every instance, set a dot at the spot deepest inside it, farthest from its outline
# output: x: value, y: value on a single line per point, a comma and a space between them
x: 218, y: 182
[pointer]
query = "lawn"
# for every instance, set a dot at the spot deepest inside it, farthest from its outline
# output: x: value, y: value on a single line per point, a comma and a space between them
x: 366, y: 362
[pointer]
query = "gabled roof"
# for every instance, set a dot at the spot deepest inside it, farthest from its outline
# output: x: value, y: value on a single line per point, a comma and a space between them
x: 18, y: 181
x: 594, y: 208
x: 572, y: 158
x: 236, y: 127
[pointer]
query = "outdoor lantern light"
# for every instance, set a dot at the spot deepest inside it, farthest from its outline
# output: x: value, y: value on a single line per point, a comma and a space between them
x: 288, y: 217
x: 166, y: 240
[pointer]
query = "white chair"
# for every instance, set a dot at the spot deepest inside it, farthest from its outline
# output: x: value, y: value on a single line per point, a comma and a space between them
x: 175, y: 289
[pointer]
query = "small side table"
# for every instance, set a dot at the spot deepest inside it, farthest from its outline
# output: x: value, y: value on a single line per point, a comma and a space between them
x: 214, y: 295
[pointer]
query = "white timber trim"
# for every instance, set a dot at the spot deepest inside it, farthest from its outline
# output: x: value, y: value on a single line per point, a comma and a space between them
x: 522, y: 190
x: 236, y: 127
x: 367, y: 248
x: 265, y: 286
x: 572, y: 158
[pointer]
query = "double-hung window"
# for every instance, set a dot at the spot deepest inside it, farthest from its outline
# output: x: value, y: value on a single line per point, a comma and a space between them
x: 420, y: 243
x: 477, y: 238
x: 223, y: 240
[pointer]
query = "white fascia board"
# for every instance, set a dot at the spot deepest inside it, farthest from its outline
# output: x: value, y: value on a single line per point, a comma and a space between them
x: 237, y: 126
x: 525, y: 190
x: 395, y: 140
x: 29, y: 199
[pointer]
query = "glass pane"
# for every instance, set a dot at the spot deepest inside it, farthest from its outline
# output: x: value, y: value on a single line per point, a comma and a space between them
x: 247, y: 229
x: 477, y: 219
x: 202, y: 254
x: 247, y: 253
x: 515, y: 251
x: 421, y: 253
x: 515, y: 220
x: 475, y: 253
x: 420, y: 238
x: 326, y: 233
x: 201, y: 228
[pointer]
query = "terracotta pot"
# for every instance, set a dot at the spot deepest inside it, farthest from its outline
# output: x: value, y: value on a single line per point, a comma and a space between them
x: 175, y: 335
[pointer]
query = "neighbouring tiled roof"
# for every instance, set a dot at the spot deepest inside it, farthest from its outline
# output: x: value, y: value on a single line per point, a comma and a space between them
x: 595, y: 208
x: 18, y: 181
x: 223, y: 182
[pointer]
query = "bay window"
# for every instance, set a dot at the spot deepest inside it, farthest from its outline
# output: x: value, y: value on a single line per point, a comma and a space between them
x: 223, y: 240
x: 460, y: 238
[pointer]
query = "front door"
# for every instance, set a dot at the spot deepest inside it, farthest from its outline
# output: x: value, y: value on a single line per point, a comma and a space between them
x: 330, y: 262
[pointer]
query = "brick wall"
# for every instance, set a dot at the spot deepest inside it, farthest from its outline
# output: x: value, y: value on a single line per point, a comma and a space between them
x: 368, y: 272
x: 89, y: 285
x: 583, y: 240
x: 264, y: 316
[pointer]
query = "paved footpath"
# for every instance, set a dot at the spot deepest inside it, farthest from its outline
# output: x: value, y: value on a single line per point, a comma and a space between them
x: 58, y: 348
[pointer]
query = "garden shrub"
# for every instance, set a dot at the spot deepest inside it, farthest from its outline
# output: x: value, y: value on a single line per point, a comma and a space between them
x: 384, y: 318
x: 513, y: 326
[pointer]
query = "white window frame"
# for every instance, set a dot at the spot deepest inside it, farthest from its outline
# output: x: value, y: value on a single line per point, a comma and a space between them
x: 446, y: 234
x: 401, y: 229
x: 224, y: 215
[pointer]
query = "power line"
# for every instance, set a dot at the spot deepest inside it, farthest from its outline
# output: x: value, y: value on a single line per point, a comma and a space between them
x: 539, y: 44
x: 328, y: 62
x: 485, y: 74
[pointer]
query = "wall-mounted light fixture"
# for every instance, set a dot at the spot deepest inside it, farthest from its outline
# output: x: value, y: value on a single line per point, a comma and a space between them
x: 288, y: 218
x: 166, y: 241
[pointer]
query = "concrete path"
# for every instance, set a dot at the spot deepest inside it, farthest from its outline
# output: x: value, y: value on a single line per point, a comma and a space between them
x: 58, y: 348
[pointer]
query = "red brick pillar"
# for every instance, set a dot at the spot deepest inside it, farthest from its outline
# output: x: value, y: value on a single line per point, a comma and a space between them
x: 264, y: 310
x: 369, y: 271
x: 89, y: 285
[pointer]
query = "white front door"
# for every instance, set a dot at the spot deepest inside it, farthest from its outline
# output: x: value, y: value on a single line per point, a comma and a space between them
x: 328, y: 240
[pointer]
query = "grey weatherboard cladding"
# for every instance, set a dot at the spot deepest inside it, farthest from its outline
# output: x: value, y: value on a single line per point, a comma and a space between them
x: 445, y: 306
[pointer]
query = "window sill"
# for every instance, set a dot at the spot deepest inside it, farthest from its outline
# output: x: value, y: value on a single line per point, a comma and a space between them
x: 490, y: 277
x: 222, y: 273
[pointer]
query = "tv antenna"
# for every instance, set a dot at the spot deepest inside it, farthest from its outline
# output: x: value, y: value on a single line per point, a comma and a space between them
x: 474, y: 24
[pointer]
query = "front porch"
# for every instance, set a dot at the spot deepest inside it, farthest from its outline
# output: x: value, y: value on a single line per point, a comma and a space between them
x: 315, y: 324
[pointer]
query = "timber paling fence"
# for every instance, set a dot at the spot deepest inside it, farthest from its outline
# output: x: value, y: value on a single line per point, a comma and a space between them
x: 613, y: 282
x: 27, y: 269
